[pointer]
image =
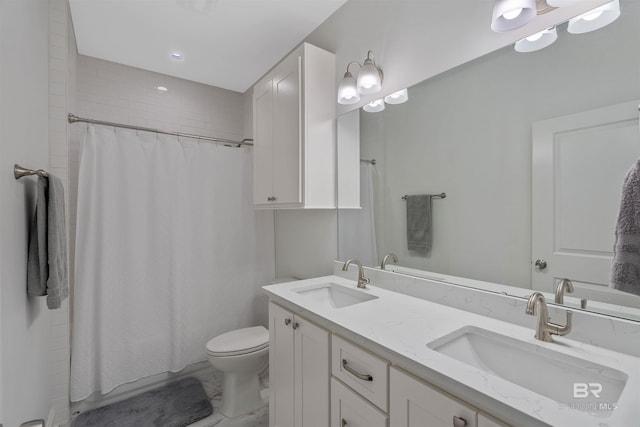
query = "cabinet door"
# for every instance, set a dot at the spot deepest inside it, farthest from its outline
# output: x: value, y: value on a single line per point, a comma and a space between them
x: 263, y: 142
x: 312, y: 374
x: 281, y: 360
x: 348, y: 409
x: 414, y: 403
x: 287, y: 132
x: 485, y: 420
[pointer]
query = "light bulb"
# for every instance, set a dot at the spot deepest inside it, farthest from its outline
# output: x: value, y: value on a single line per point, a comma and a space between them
x: 512, y: 14
x: 374, y: 106
x: 397, y: 97
x: 347, y: 92
x: 536, y: 36
x: 369, y: 80
x: 590, y: 16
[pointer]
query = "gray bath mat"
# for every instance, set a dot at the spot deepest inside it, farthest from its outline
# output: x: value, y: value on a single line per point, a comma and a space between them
x: 175, y: 405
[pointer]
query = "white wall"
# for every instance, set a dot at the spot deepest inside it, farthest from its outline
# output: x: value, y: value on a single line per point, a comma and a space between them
x: 25, y: 321
x: 467, y: 132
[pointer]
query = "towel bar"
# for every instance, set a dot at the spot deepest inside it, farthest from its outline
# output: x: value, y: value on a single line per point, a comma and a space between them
x: 433, y: 196
x: 19, y: 172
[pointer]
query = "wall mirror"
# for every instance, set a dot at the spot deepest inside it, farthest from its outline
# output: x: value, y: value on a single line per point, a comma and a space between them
x: 505, y: 136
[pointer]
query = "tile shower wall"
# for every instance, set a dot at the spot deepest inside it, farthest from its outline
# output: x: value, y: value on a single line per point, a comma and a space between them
x: 61, y: 64
x: 118, y: 93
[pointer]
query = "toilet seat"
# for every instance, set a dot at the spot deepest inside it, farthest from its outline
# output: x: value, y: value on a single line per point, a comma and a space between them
x: 238, y: 342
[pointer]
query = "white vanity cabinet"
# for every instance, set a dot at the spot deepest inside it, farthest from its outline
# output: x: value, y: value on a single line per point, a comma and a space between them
x: 414, y: 403
x: 294, y: 132
x: 299, y: 371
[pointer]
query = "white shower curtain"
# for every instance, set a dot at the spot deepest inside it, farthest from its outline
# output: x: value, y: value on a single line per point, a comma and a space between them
x: 165, y: 255
x: 357, y: 226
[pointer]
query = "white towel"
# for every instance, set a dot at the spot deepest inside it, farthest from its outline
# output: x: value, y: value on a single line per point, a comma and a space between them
x: 625, y: 269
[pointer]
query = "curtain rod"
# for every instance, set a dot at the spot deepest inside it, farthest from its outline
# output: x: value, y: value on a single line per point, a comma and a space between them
x: 72, y: 118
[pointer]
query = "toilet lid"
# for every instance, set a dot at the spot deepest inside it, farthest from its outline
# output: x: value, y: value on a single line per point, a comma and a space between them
x: 240, y: 341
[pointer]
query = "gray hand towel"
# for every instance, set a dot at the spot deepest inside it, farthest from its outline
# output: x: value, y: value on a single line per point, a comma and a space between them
x: 58, y: 283
x: 419, y: 223
x: 625, y: 269
x: 37, y: 260
x: 47, y: 256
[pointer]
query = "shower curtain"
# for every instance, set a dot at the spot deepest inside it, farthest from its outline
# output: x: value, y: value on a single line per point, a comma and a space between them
x: 357, y: 226
x: 164, y: 252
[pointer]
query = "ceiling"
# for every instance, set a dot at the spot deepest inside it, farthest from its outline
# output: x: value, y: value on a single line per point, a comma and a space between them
x: 225, y: 43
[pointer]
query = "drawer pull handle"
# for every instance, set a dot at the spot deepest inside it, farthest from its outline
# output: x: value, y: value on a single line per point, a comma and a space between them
x: 271, y: 199
x: 363, y: 377
x: 344, y: 423
x: 295, y: 325
x: 459, y: 422
x: 287, y: 321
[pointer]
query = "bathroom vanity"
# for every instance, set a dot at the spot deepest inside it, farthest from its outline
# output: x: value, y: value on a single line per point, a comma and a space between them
x: 375, y: 357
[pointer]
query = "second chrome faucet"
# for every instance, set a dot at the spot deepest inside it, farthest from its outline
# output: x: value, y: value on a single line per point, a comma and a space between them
x: 544, y: 327
x: 362, y: 280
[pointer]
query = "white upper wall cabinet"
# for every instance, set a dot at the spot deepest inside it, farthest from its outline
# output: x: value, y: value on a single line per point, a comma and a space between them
x: 294, y: 132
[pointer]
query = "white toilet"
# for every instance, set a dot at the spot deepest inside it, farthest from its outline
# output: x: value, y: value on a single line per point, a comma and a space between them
x: 241, y: 355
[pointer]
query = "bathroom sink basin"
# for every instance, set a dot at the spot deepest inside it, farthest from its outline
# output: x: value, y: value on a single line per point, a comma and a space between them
x: 334, y: 296
x: 571, y: 381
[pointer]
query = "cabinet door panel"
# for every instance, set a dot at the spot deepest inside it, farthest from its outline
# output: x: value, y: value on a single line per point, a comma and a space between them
x: 415, y: 404
x: 287, y: 154
x: 312, y: 374
x: 263, y: 143
x: 348, y: 409
x: 281, y: 373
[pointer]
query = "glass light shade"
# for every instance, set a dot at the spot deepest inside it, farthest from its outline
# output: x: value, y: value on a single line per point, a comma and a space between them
x: 511, y: 14
x: 374, y: 106
x: 595, y: 18
x: 562, y: 3
x: 369, y: 80
x: 347, y: 92
x: 537, y: 41
x: 397, y: 97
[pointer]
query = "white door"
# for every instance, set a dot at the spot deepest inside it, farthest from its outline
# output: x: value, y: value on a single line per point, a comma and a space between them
x: 281, y: 372
x: 579, y: 164
x: 312, y: 373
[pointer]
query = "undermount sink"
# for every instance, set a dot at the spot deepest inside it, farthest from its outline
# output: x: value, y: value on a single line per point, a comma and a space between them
x: 334, y: 296
x: 536, y: 368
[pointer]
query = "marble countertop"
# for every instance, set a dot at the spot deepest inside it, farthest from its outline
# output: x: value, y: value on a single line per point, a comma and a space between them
x: 399, y: 327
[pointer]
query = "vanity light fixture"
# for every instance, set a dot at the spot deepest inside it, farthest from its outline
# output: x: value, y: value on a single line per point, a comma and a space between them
x: 374, y: 106
x: 511, y: 14
x: 369, y: 81
x: 589, y: 21
x: 595, y: 18
x: 397, y: 97
x: 537, y: 41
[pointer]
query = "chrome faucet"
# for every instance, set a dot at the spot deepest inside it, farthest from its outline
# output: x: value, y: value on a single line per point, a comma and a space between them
x: 545, y: 328
x: 362, y: 281
x: 386, y: 258
x: 564, y: 285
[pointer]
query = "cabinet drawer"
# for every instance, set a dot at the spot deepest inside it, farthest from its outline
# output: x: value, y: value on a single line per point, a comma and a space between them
x: 364, y: 372
x: 350, y: 410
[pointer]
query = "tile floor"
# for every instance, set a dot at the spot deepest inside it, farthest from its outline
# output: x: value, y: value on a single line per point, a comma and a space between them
x: 212, y: 382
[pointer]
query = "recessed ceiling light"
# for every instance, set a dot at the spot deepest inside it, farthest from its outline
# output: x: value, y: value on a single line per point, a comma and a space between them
x: 161, y: 89
x: 177, y: 56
